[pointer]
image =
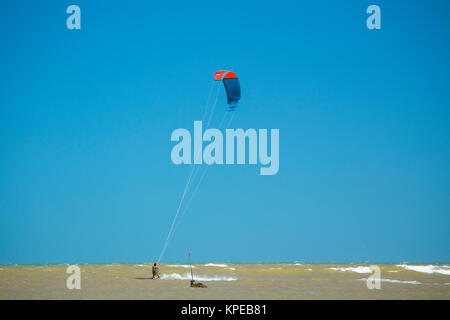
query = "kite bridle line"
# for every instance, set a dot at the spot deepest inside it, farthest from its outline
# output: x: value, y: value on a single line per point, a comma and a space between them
x: 193, y: 169
x: 186, y: 208
x: 207, y: 114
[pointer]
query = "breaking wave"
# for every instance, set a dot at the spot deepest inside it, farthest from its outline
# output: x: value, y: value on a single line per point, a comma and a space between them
x: 216, y: 265
x: 180, y: 266
x: 400, y: 281
x: 354, y: 269
x: 219, y: 265
x: 426, y: 269
x: 187, y: 276
x: 396, y: 281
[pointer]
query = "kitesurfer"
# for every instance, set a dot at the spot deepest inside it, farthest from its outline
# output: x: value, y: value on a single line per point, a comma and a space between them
x: 155, y: 271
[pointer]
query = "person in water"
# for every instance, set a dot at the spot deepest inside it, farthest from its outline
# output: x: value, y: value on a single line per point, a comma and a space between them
x: 155, y: 271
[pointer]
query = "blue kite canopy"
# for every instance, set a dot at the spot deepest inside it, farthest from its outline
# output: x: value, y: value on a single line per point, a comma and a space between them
x: 232, y: 87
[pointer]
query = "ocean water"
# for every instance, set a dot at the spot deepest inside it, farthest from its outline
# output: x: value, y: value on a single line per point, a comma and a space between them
x: 227, y: 281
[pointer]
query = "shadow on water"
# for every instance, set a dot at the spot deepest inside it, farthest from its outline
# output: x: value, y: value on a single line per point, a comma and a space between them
x: 140, y: 278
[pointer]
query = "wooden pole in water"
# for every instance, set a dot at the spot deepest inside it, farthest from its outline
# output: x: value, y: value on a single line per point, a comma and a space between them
x: 192, y: 275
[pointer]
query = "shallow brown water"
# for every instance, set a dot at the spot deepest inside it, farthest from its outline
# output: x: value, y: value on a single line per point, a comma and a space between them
x: 227, y: 281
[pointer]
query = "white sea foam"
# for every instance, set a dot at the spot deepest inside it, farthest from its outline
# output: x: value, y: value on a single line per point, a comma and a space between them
x: 309, y: 269
x: 400, y: 281
x: 359, y: 269
x: 426, y: 269
x: 187, y: 276
x: 180, y: 266
x: 216, y: 265
x: 219, y: 265
x: 396, y: 281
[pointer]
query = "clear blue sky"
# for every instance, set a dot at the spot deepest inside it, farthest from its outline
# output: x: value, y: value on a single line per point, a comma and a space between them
x: 86, y: 118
